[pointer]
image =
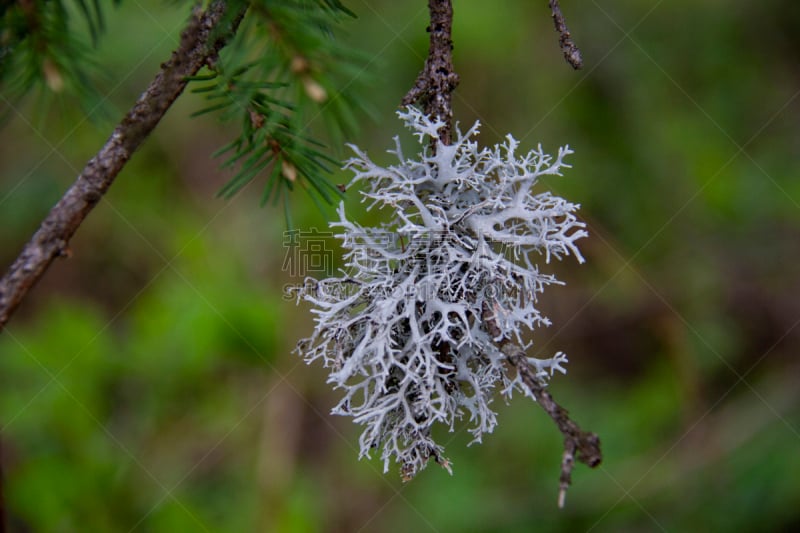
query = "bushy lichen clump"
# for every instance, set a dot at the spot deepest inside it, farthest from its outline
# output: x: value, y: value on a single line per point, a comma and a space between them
x: 403, y: 330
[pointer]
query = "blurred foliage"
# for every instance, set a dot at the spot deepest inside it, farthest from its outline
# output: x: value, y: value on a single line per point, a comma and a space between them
x: 41, y: 47
x: 147, y: 384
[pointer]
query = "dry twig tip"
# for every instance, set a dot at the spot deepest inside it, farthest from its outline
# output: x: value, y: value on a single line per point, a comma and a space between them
x: 571, y: 52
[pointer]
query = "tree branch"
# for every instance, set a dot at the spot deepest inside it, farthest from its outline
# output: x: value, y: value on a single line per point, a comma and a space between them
x: 578, y: 444
x: 200, y: 42
x: 571, y: 52
x: 434, y: 86
x: 433, y: 89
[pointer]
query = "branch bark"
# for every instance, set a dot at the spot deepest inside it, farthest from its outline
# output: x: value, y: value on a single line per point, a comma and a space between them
x: 571, y: 52
x: 434, y: 86
x: 578, y: 444
x: 200, y: 43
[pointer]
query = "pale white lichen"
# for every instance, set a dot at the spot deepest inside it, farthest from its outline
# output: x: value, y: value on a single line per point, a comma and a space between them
x: 402, y: 329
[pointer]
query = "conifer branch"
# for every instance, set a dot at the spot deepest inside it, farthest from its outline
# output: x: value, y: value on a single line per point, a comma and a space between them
x: 200, y: 43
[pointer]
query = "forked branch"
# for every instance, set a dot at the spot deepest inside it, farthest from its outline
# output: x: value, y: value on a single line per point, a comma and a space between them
x: 578, y: 444
x: 433, y: 89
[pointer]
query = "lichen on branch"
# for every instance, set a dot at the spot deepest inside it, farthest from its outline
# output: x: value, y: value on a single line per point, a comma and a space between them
x: 402, y: 330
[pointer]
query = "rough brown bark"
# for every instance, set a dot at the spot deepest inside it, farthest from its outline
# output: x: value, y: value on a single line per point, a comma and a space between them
x: 571, y: 52
x: 434, y: 86
x: 578, y: 444
x: 200, y: 42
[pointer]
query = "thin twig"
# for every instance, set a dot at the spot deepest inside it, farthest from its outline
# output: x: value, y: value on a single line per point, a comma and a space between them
x: 433, y: 89
x: 200, y: 43
x: 434, y: 86
x: 571, y: 52
x: 580, y: 445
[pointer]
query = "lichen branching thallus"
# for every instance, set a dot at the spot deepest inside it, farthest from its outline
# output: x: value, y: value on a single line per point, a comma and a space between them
x: 402, y: 330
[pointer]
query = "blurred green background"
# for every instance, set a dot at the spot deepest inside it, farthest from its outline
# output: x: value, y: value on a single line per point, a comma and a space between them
x: 148, y: 384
